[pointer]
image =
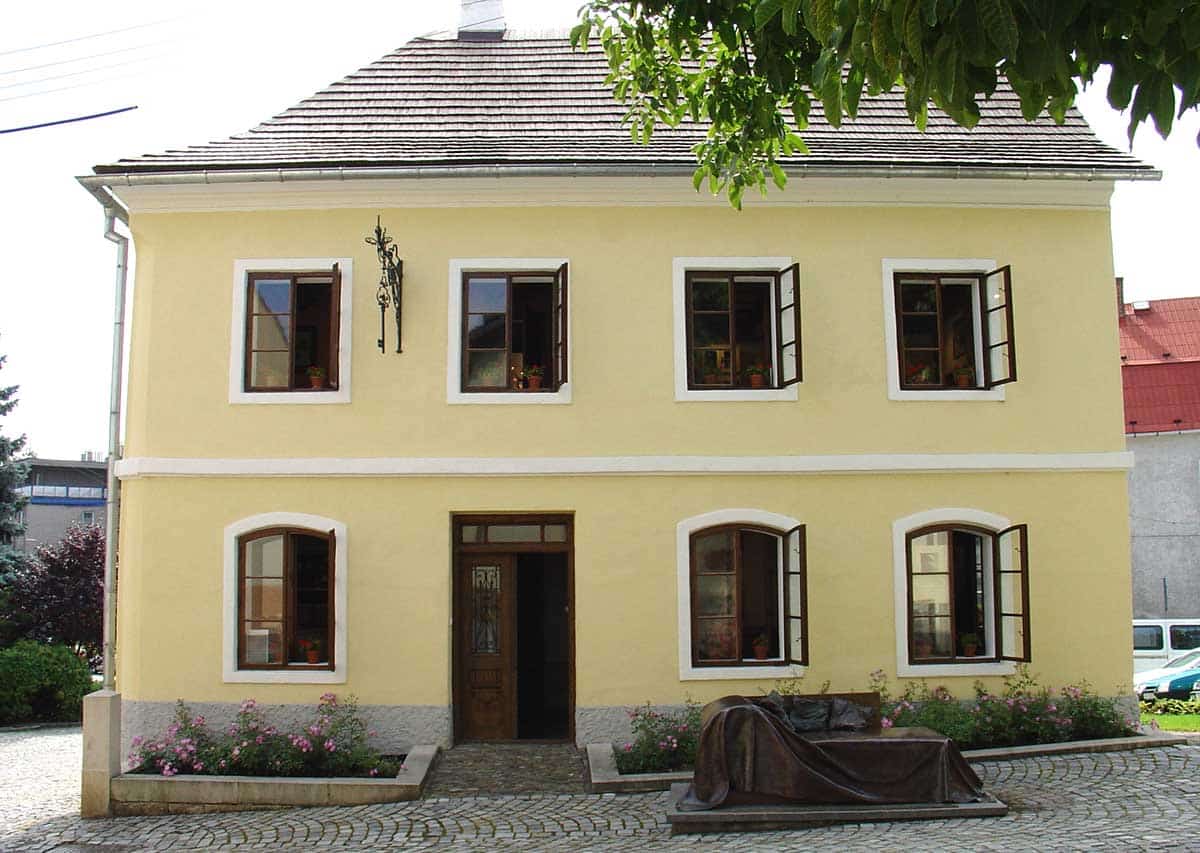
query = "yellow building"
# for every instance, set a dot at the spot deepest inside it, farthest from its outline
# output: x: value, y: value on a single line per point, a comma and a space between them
x: 627, y: 444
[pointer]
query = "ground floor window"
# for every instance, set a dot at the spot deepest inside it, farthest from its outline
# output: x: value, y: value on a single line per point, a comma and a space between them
x: 285, y: 599
x: 968, y: 590
x: 748, y: 597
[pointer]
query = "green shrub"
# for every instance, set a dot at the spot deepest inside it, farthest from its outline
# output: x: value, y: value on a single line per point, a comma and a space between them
x: 1170, y: 706
x: 661, y: 742
x: 40, y: 682
x: 934, y: 709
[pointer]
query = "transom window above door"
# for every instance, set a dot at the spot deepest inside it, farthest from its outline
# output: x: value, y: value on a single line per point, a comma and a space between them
x: 954, y: 330
x: 514, y: 331
x: 292, y: 331
x: 743, y: 329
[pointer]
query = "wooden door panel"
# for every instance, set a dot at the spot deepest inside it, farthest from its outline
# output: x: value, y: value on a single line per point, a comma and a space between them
x: 487, y: 616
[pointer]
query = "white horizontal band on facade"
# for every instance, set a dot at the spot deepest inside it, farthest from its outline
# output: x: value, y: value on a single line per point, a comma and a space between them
x: 865, y: 463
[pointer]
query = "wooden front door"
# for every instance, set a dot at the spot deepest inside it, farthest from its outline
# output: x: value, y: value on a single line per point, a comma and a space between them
x: 487, y: 642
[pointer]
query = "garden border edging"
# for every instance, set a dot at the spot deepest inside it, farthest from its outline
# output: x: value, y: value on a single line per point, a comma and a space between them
x: 143, y: 794
x: 605, y: 778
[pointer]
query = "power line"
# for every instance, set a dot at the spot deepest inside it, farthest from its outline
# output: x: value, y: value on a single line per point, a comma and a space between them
x: 472, y: 24
x: 91, y: 36
x: 84, y: 71
x: 91, y: 56
x: 67, y: 120
x: 68, y: 88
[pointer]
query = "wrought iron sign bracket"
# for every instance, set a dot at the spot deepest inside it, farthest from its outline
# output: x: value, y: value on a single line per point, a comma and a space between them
x: 391, y: 281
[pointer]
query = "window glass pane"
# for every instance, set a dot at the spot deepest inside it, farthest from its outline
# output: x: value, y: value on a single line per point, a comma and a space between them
x: 931, y: 553
x: 921, y: 368
x: 712, y: 367
x: 931, y: 637
x: 1011, y: 600
x: 715, y: 639
x: 485, y: 609
x: 931, y: 595
x: 795, y: 638
x: 1185, y: 636
x: 264, y: 557
x: 270, y: 332
x: 714, y: 595
x: 272, y: 296
x: 919, y: 297
x: 710, y: 330
x: 487, y: 370
x: 485, y: 331
x: 514, y: 532
x: 262, y: 599
x: 958, y: 333
x: 710, y: 295
x: 269, y: 369
x: 471, y: 533
x: 758, y: 586
x: 920, y: 332
x: 310, y: 629
x: 998, y: 357
x: 714, y: 552
x: 487, y: 296
x: 262, y: 642
x: 1012, y: 632
x: 556, y: 533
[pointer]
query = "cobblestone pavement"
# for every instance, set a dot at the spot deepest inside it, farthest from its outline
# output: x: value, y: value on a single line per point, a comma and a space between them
x: 1140, y: 800
x: 476, y: 769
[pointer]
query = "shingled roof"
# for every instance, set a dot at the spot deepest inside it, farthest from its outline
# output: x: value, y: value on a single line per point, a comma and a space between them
x: 537, y: 103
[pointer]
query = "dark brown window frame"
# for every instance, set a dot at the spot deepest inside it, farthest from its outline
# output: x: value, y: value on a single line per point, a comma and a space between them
x: 778, y: 333
x: 788, y: 655
x: 556, y: 371
x: 289, y: 595
x: 992, y: 538
x: 331, y: 372
x: 982, y: 333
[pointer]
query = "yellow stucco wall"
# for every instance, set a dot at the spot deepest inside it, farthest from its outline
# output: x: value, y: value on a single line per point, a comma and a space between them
x: 1068, y: 399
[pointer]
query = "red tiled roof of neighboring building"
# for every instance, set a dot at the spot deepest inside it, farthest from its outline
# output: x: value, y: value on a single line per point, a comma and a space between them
x: 1165, y: 326
x: 1161, y: 397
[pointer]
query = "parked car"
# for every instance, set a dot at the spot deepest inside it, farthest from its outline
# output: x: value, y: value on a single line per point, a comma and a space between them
x: 1173, y: 681
x: 1158, y: 641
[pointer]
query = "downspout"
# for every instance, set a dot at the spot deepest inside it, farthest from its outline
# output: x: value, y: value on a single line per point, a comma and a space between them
x: 113, y: 503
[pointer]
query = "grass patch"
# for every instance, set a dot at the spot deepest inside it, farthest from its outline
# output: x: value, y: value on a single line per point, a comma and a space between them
x: 1174, y: 722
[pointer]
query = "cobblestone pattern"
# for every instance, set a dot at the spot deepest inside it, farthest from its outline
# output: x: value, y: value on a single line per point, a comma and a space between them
x: 39, y: 775
x: 1140, y: 800
x: 473, y: 770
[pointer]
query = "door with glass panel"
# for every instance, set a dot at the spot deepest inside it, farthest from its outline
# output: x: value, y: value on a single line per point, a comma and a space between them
x: 486, y: 643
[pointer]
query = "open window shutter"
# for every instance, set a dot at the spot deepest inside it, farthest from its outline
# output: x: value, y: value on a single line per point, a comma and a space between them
x: 999, y: 354
x: 335, y: 309
x: 795, y: 597
x: 560, y: 326
x: 1010, y: 564
x: 788, y: 369
x: 330, y: 574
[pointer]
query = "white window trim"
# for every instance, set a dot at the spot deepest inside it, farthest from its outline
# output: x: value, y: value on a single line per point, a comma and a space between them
x: 237, y: 337
x: 891, y: 266
x: 454, y: 353
x: 679, y: 270
x: 319, y: 524
x: 683, y: 581
x: 900, y: 529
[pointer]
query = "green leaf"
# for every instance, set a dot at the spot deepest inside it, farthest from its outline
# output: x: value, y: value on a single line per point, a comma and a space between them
x: 698, y: 177
x: 1120, y: 85
x: 913, y: 30
x: 852, y: 91
x: 1163, y: 108
x: 797, y: 143
x: 820, y: 18
x: 778, y: 175
x: 929, y: 12
x: 791, y: 16
x: 765, y: 11
x: 999, y: 24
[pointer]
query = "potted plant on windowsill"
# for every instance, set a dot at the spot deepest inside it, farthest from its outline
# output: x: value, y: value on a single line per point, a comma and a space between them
x: 533, y: 377
x: 969, y: 644
x: 964, y: 377
x: 312, y: 650
x: 757, y: 375
x: 761, y: 646
x: 923, y: 646
x: 316, y: 376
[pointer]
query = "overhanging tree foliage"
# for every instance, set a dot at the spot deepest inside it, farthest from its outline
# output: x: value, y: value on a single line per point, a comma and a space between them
x: 14, y: 471
x: 747, y: 67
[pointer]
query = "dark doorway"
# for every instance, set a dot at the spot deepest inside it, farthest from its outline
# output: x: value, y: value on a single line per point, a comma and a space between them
x: 542, y: 646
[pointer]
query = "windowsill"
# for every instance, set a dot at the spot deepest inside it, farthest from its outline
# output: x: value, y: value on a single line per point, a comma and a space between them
x: 520, y: 398
x: 993, y: 394
x: 909, y: 670
x: 739, y: 395
x: 300, y: 674
x: 300, y: 396
x: 733, y: 673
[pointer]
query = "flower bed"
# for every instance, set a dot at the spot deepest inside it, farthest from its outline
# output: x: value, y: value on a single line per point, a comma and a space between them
x: 662, y: 743
x: 333, y: 744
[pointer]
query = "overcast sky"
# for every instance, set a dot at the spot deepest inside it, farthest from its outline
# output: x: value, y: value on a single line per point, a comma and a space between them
x: 203, y: 71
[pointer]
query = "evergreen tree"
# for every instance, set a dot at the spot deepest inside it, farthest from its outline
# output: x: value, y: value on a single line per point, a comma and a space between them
x: 14, y: 471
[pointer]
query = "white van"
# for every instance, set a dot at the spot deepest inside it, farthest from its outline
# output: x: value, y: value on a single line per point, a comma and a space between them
x: 1155, y: 641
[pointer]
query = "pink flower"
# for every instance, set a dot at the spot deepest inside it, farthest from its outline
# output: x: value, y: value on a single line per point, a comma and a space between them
x: 330, y: 746
x: 199, y: 766
x: 629, y: 747
x: 374, y: 771
x: 198, y: 721
x: 314, y: 730
x: 371, y: 733
x: 886, y: 723
x: 259, y: 739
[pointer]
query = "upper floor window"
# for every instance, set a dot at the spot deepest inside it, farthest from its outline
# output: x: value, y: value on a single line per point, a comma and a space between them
x: 748, y: 597
x: 292, y: 329
x: 968, y: 594
x: 743, y: 329
x: 954, y: 330
x: 514, y: 330
x: 285, y: 592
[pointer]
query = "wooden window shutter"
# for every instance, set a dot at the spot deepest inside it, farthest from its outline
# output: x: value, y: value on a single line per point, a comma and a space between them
x: 560, y: 327
x: 330, y: 575
x: 795, y: 595
x: 1010, y: 567
x: 999, y: 352
x: 335, y: 320
x: 788, y: 367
